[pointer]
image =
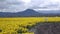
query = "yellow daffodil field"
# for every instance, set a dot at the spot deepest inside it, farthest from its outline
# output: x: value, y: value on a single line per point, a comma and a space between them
x: 22, y: 25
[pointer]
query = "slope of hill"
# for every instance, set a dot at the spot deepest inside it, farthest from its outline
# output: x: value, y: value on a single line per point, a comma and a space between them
x: 27, y: 13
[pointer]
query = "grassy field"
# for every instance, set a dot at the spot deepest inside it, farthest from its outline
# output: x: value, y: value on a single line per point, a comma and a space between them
x: 22, y: 24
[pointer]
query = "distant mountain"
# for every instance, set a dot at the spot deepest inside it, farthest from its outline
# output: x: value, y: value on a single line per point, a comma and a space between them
x: 26, y: 13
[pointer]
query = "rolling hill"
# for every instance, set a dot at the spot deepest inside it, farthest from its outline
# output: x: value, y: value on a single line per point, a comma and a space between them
x: 27, y: 13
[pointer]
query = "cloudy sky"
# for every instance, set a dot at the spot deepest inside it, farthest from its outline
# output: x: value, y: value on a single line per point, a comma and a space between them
x: 21, y: 5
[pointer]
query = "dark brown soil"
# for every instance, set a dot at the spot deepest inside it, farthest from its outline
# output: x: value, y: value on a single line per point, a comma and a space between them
x: 48, y: 28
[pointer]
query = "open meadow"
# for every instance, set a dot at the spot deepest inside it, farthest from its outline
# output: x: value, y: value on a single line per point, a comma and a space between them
x: 22, y: 25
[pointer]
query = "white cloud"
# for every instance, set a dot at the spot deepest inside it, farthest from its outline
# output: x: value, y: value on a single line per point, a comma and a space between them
x: 21, y: 5
x: 46, y: 5
x: 12, y: 5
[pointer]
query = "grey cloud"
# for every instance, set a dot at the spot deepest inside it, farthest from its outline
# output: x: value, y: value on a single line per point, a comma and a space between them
x: 41, y: 4
x: 11, y: 6
x: 19, y: 5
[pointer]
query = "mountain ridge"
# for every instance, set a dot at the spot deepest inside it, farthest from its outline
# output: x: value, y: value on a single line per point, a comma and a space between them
x: 26, y: 13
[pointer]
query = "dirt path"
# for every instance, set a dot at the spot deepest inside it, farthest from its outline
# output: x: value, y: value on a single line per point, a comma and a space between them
x: 47, y: 28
